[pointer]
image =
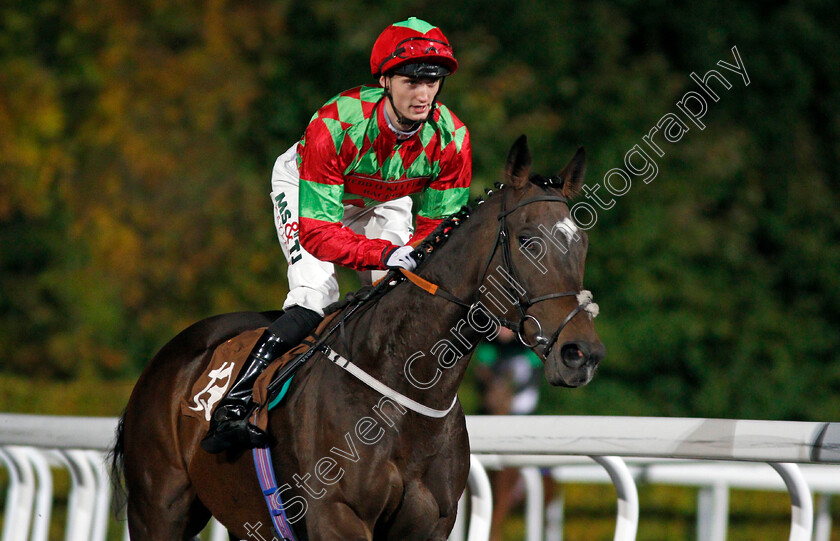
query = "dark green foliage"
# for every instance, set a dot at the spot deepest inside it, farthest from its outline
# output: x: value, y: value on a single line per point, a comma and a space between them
x: 137, y: 139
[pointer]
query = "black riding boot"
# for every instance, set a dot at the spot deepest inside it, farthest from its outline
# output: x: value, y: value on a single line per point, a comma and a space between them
x: 229, y: 426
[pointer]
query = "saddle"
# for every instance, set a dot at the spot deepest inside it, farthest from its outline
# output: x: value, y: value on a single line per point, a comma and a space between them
x: 225, y: 365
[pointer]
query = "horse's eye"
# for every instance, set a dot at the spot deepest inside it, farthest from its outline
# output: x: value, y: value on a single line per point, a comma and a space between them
x: 529, y: 244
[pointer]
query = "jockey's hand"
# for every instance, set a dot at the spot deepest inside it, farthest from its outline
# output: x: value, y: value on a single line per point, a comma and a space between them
x: 399, y: 257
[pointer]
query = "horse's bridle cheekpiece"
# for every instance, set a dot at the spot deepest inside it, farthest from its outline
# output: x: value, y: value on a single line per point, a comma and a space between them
x: 522, y: 301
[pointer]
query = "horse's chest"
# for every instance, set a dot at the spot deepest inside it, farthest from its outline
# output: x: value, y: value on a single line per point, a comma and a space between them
x: 396, y: 471
x: 409, y: 492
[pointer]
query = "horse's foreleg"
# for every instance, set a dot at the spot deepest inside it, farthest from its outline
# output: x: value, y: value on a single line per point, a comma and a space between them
x: 336, y: 522
x: 442, y: 529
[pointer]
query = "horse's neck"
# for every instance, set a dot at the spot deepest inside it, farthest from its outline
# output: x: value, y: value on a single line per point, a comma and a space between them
x: 420, y: 344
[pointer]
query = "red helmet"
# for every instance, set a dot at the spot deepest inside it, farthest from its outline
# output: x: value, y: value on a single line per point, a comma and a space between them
x: 414, y: 45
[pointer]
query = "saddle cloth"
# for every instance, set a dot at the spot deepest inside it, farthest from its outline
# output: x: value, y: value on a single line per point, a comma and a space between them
x: 261, y: 394
x: 224, y: 367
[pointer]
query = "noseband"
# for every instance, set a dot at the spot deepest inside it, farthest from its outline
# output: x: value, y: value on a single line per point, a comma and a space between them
x: 521, y: 300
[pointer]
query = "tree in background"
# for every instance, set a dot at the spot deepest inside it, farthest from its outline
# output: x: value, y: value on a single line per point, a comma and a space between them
x: 136, y: 141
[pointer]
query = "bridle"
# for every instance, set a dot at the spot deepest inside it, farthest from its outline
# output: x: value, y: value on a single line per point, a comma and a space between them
x: 521, y: 300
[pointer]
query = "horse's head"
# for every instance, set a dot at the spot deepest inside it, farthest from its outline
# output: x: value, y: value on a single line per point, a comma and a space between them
x: 544, y: 251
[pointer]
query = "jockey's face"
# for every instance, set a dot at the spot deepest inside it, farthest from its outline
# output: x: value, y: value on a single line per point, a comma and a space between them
x: 412, y: 96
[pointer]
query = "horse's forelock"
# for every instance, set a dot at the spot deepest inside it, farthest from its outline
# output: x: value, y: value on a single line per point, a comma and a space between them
x: 549, y: 184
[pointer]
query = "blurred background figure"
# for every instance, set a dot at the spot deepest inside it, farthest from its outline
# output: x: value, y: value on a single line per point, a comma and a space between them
x: 508, y: 376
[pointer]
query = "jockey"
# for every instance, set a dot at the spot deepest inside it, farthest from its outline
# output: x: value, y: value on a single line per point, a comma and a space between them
x: 341, y: 196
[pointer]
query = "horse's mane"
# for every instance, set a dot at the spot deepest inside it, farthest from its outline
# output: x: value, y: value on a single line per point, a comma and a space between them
x: 424, y: 250
x: 435, y: 240
x: 441, y: 234
x: 438, y: 237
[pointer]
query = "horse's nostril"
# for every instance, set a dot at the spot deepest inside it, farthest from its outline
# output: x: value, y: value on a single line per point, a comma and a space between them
x: 598, y: 353
x: 573, y: 355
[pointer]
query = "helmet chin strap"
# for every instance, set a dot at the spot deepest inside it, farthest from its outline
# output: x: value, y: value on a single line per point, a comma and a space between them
x: 403, y: 121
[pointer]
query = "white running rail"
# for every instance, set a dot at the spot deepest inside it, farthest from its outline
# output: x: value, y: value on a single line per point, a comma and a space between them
x: 626, y: 449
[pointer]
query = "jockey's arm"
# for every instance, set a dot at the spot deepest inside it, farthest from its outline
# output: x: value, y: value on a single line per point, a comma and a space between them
x: 321, y: 209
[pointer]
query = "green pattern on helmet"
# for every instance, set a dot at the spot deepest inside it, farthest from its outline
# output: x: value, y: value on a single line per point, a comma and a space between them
x: 415, y: 24
x: 316, y: 201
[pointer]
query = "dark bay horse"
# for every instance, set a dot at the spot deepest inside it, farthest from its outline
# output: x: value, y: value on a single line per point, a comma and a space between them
x: 358, y: 465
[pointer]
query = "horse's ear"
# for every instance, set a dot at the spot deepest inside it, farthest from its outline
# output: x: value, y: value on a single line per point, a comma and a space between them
x: 572, y: 175
x: 518, y: 165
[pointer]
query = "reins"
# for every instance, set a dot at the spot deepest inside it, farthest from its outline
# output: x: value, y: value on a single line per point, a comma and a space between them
x: 522, y: 301
x: 432, y: 289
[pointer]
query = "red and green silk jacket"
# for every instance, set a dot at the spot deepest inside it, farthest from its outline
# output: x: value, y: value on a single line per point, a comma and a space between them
x: 349, y: 155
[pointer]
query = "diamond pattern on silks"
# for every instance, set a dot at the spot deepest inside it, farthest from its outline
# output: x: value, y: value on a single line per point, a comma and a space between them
x: 426, y: 135
x: 392, y: 167
x: 336, y: 131
x: 349, y: 109
x: 364, y: 148
x: 418, y: 166
x: 350, y: 155
x: 460, y: 135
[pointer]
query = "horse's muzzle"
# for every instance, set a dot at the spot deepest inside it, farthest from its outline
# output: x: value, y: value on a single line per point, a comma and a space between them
x: 575, y: 363
x: 577, y: 354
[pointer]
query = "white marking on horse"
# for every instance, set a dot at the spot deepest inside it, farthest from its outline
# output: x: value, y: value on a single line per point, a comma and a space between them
x: 214, y: 391
x: 568, y: 227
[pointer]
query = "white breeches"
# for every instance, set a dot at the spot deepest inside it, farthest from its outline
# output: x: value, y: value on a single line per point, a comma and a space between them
x: 312, y: 282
